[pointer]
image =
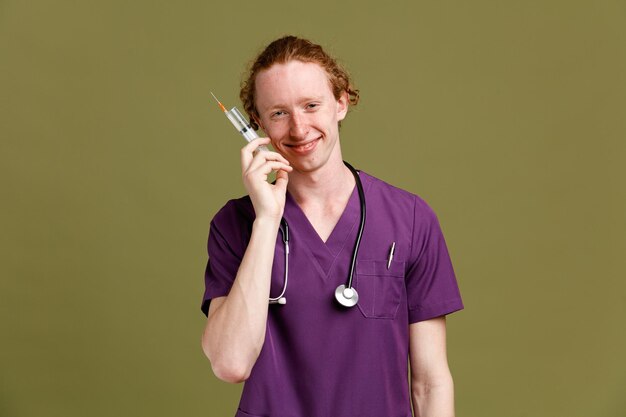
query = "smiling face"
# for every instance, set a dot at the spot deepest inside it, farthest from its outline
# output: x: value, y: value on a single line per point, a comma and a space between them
x: 298, y: 111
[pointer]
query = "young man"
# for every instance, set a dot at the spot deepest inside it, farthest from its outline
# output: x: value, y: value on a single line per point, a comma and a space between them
x: 329, y: 351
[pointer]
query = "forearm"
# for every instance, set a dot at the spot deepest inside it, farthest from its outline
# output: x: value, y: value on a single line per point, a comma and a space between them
x: 434, y: 398
x: 235, y: 331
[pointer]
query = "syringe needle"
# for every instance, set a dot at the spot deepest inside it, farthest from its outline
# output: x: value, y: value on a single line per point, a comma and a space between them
x: 218, y: 102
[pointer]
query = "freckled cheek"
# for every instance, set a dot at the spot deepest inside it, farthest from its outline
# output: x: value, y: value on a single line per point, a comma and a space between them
x: 277, y: 134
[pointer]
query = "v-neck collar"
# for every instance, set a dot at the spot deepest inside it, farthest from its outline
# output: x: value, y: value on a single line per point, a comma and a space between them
x: 342, y: 236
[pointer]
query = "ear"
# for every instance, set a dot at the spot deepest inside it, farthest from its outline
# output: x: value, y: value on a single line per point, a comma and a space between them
x: 258, y: 121
x: 342, y: 106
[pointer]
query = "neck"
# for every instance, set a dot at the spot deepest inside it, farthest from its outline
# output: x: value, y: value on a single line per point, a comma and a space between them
x: 329, y: 183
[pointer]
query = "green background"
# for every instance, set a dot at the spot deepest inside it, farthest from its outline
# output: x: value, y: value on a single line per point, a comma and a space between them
x: 507, y: 117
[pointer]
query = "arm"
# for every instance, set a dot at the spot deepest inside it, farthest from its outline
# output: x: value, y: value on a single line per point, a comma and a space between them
x: 432, y: 389
x: 235, y: 329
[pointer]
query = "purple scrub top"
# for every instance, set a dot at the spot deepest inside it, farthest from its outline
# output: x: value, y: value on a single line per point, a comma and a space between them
x: 320, y: 359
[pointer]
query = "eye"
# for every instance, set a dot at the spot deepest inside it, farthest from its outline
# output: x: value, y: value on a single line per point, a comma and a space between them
x: 312, y: 106
x: 276, y: 114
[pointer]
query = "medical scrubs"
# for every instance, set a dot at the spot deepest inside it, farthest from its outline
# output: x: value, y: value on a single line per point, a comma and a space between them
x: 320, y: 359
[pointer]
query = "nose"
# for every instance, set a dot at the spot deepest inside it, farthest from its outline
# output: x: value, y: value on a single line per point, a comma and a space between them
x: 298, y: 127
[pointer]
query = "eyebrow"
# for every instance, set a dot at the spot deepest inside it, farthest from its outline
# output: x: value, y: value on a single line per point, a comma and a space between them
x: 304, y: 100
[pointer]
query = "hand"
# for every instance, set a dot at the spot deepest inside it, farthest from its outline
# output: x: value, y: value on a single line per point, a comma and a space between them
x: 268, y: 199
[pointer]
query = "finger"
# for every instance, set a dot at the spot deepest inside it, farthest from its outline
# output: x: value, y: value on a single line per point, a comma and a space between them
x: 275, y: 156
x: 263, y: 172
x: 282, y: 178
x: 261, y: 157
x: 270, y: 166
x: 247, y: 152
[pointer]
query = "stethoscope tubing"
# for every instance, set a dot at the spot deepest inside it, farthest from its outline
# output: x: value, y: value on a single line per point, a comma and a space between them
x: 359, y: 235
x: 284, y: 230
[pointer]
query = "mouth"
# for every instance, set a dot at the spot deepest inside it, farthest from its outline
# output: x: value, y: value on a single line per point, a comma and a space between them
x: 305, y: 147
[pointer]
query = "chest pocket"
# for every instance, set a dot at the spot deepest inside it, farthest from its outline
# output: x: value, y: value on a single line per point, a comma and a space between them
x: 380, y: 289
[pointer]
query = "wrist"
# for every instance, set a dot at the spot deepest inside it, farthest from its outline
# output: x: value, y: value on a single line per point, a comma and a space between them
x: 267, y: 222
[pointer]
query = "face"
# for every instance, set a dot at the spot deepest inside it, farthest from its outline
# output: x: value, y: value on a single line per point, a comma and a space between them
x: 298, y: 111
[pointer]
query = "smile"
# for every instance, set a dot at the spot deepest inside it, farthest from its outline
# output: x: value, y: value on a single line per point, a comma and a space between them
x: 305, y: 147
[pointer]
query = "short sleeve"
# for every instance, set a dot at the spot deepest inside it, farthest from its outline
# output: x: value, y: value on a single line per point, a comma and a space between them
x: 432, y: 288
x: 228, y: 238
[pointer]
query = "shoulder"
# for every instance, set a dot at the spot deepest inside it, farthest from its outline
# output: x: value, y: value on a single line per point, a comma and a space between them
x: 231, y: 226
x: 397, y: 199
x: 234, y: 213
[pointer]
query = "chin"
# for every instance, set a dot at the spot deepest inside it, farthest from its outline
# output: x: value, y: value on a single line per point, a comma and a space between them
x: 310, y: 165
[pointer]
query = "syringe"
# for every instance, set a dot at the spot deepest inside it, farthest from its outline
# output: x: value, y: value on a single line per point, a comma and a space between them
x: 240, y: 123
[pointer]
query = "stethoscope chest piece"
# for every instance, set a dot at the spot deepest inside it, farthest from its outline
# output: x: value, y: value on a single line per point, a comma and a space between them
x: 347, y: 297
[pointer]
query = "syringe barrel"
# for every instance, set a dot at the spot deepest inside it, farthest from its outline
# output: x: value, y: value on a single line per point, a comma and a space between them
x: 241, y: 124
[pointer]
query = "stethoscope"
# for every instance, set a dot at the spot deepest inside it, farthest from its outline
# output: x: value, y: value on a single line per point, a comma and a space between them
x: 344, y: 294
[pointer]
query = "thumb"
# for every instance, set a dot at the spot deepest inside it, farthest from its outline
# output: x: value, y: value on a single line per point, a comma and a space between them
x: 282, y: 178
